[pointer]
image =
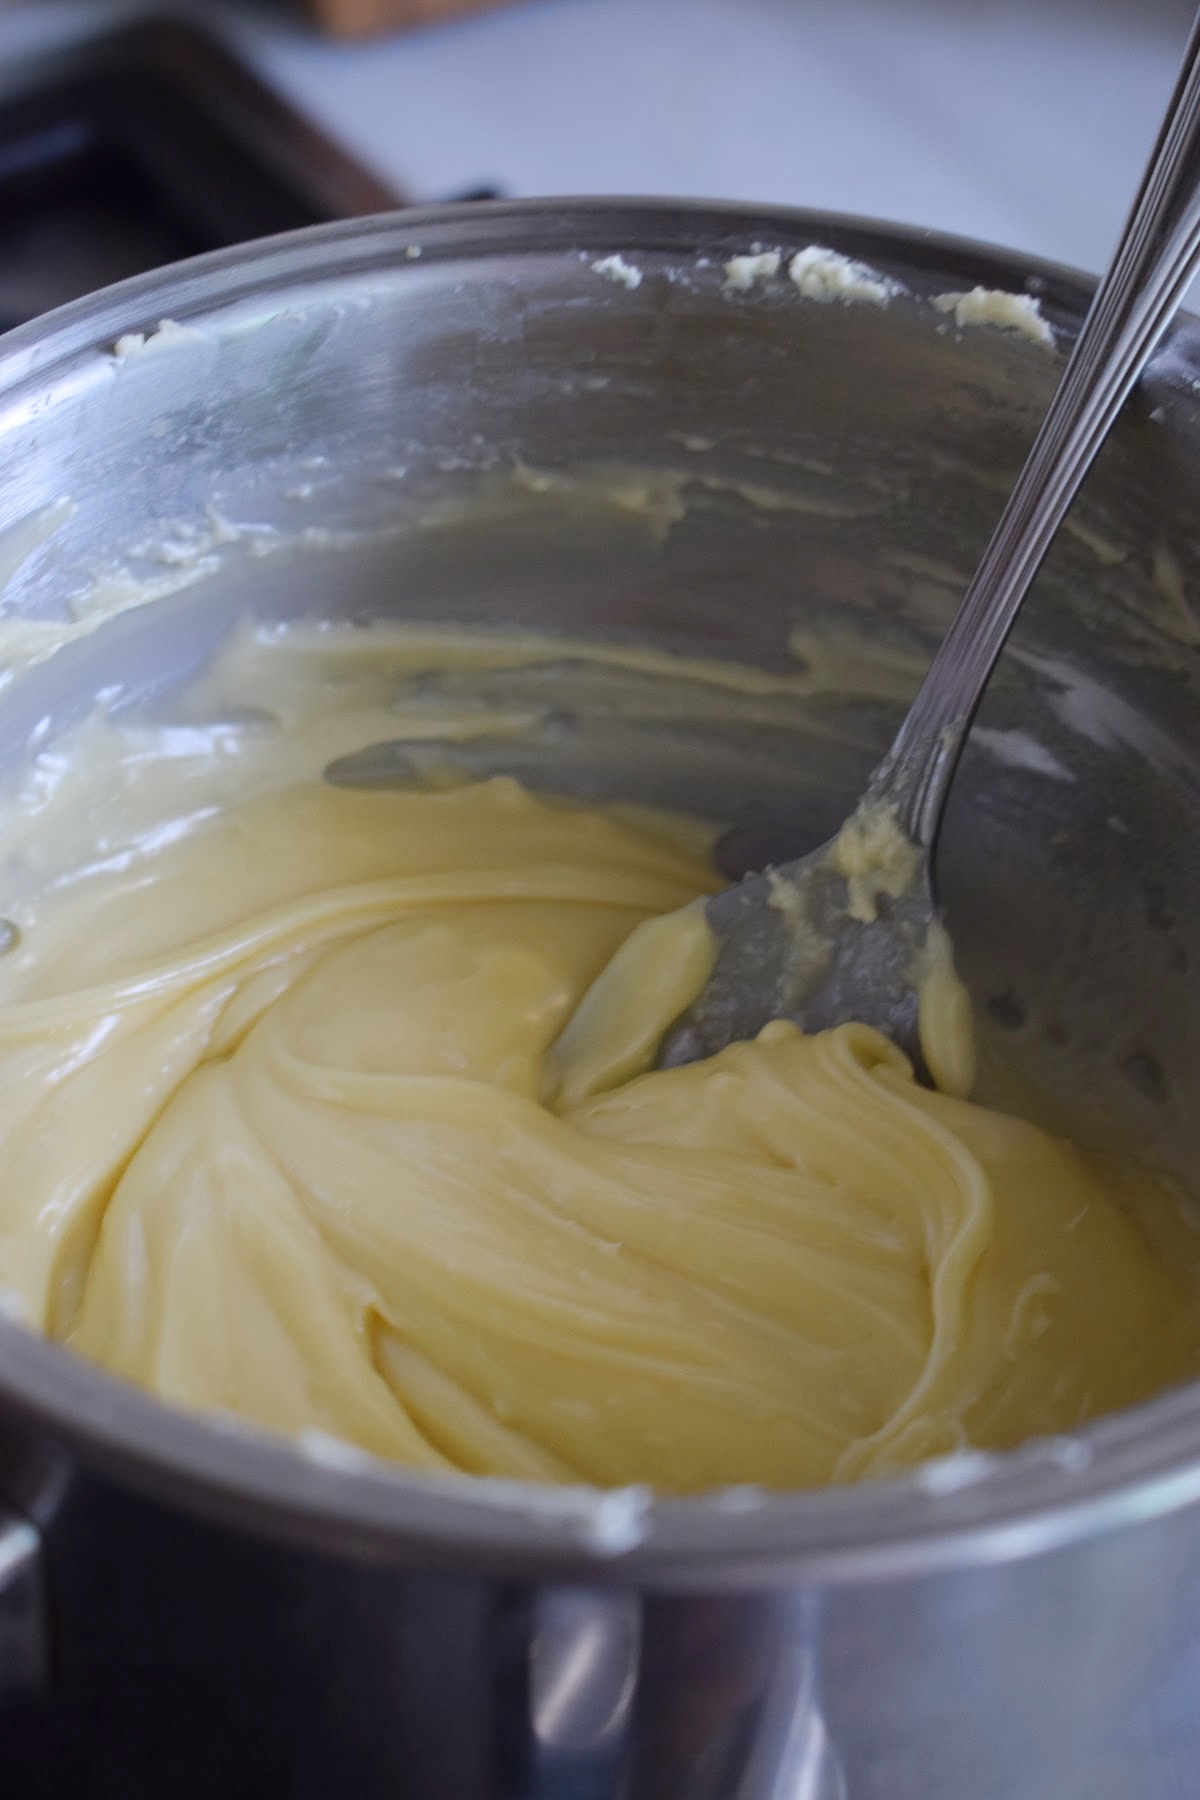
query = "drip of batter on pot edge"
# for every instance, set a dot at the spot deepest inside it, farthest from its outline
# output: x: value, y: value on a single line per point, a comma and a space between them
x: 333, y: 1109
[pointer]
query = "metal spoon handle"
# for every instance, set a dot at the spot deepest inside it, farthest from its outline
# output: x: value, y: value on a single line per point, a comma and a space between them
x: 1134, y: 303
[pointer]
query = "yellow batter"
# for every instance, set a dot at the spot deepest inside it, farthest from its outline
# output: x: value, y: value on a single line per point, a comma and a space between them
x: 317, y: 1106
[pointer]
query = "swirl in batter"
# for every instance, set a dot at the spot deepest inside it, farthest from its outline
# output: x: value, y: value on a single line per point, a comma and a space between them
x: 332, y: 1109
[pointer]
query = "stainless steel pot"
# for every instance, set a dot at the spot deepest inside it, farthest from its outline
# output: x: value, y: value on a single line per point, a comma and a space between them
x: 191, y: 1609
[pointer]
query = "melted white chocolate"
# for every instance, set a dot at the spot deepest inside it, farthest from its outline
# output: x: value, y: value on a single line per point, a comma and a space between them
x: 333, y: 1109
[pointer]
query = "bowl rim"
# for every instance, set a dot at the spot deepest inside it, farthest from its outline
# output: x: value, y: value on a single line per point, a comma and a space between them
x: 1139, y: 1464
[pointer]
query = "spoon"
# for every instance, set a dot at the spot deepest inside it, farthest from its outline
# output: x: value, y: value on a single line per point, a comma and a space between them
x: 851, y: 931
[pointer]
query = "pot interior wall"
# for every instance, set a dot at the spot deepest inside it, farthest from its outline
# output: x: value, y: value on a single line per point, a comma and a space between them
x: 507, y: 440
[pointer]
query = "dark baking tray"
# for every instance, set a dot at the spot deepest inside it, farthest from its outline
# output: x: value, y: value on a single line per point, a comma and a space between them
x: 144, y: 145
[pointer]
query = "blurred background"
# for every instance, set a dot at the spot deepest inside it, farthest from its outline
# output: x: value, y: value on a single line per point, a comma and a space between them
x: 131, y: 134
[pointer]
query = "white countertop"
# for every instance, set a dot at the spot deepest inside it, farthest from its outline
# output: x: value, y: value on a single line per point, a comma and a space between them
x: 1024, y: 122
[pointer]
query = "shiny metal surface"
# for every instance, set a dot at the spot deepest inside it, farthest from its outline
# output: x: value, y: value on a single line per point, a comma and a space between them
x: 1138, y: 296
x: 841, y: 966
x: 584, y: 1660
x: 24, y: 1641
x: 1023, y: 1626
x: 811, y: 958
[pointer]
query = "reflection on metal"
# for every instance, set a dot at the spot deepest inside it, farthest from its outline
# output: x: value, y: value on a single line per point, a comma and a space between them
x: 24, y: 1637
x: 583, y: 1671
x: 793, y: 1757
x: 740, y: 1691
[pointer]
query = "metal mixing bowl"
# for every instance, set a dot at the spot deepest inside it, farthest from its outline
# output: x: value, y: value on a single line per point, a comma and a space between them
x: 435, y: 417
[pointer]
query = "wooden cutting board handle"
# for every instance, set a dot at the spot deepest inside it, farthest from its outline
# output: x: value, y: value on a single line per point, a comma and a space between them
x: 357, y: 18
